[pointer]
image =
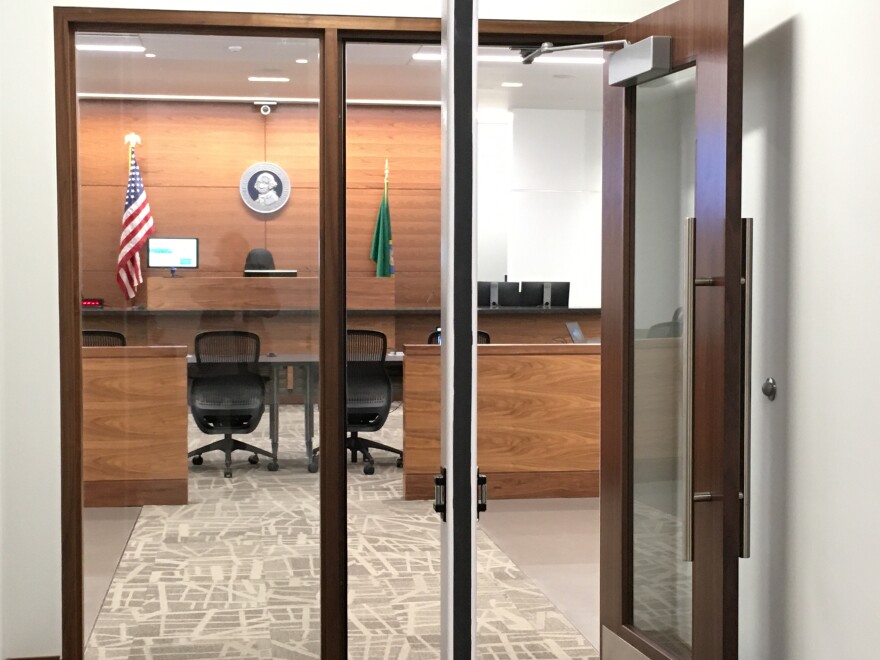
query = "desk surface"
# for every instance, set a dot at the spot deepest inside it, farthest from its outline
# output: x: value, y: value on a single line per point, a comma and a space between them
x: 294, y: 358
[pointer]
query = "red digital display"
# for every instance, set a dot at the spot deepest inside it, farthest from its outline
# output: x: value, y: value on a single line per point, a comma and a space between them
x: 93, y: 302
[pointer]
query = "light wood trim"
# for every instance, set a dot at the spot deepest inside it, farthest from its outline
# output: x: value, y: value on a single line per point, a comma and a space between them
x: 136, y: 492
x: 128, y: 352
x: 418, y: 350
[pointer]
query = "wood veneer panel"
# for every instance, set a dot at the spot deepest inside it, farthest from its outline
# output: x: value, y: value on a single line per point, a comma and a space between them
x: 134, y: 418
x: 415, y: 227
x: 537, y: 412
x: 135, y: 493
x: 261, y: 293
x: 184, y: 144
x: 516, y: 485
x: 408, y: 137
x: 293, y: 141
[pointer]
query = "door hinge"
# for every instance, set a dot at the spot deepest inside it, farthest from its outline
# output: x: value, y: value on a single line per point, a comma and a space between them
x: 440, y: 493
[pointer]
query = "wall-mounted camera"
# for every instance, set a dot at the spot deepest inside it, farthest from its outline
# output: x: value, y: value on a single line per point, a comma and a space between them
x: 265, y: 107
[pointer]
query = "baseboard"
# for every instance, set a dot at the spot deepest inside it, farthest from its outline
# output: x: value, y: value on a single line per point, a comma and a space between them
x: 135, y: 492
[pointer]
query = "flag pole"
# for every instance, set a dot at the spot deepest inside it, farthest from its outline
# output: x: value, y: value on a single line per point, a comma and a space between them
x: 386, y: 175
x: 131, y: 139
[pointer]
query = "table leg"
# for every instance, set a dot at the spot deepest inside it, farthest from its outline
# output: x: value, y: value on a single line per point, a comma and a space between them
x: 309, y: 415
x: 274, y: 418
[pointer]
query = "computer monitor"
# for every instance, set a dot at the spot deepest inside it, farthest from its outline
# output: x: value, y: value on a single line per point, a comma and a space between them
x: 483, y: 294
x: 269, y: 273
x: 532, y: 294
x: 508, y: 294
x: 172, y: 252
x: 559, y: 294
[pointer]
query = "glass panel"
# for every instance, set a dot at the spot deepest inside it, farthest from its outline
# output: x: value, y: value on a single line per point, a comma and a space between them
x: 200, y: 555
x: 665, y: 157
x: 538, y: 168
x: 393, y: 121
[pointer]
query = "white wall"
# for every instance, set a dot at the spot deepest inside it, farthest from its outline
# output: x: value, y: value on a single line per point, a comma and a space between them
x: 555, y: 232
x: 810, y: 164
x: 494, y: 208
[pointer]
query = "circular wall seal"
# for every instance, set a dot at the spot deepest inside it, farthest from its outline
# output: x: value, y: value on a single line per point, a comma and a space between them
x: 264, y: 187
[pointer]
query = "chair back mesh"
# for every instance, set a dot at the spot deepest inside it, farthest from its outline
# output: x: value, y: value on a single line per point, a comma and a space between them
x: 227, y: 346
x: 102, y: 338
x: 259, y: 259
x: 366, y: 346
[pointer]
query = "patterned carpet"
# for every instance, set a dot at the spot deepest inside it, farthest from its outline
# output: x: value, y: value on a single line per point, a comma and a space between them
x: 235, y: 573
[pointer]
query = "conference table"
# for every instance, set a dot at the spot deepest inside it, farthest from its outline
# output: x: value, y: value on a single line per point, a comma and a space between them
x: 306, y: 368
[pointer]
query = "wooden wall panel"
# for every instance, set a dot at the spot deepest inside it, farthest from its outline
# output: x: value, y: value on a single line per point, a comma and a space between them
x: 120, y: 394
x: 193, y: 155
x: 185, y: 145
x: 293, y: 141
x: 408, y: 137
x: 537, y: 411
x: 415, y: 228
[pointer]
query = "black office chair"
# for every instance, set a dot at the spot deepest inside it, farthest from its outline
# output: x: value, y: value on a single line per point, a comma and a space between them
x: 228, y: 396
x: 259, y: 259
x: 102, y: 338
x: 482, y: 337
x: 667, y: 329
x: 368, y: 396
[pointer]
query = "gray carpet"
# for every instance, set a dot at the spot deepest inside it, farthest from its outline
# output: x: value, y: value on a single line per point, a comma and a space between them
x: 235, y: 573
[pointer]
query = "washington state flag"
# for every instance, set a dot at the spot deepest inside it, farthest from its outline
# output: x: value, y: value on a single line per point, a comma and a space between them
x: 381, y: 251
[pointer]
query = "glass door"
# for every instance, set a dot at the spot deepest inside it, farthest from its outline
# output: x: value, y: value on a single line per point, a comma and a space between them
x: 199, y: 187
x: 673, y: 353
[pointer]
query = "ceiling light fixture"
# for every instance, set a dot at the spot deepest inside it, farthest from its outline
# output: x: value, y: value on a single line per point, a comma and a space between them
x: 110, y: 48
x: 151, y: 55
x: 511, y: 84
x: 234, y: 49
x: 271, y: 79
x: 302, y: 60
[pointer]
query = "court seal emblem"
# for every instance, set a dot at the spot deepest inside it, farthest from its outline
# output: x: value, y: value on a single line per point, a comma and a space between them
x: 264, y: 187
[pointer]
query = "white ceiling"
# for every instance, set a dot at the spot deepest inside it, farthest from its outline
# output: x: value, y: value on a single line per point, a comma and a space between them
x: 201, y: 65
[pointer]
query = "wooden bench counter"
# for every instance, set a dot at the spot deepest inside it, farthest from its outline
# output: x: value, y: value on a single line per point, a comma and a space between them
x: 537, y: 419
x: 134, y: 425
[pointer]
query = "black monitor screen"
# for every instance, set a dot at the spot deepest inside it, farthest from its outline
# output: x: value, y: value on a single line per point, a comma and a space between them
x: 559, y: 294
x: 483, y: 293
x: 508, y: 294
x: 172, y: 252
x: 532, y: 294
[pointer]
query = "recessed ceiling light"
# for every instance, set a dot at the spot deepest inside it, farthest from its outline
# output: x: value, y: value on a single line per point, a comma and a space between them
x: 234, y: 49
x: 149, y: 54
x: 511, y: 84
x: 110, y: 48
x: 278, y: 79
x: 302, y: 60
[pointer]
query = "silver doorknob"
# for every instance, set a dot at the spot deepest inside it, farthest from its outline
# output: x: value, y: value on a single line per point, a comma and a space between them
x: 769, y: 388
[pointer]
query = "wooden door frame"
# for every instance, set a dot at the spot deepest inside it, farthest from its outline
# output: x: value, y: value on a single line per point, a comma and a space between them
x: 715, y: 44
x: 333, y: 32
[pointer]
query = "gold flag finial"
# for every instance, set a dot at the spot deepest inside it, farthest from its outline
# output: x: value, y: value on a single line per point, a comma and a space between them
x: 132, y: 139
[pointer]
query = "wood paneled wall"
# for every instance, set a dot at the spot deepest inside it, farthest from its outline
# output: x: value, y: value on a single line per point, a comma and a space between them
x: 193, y: 155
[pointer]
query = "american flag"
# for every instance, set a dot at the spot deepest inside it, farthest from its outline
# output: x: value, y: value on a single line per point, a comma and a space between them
x: 137, y: 226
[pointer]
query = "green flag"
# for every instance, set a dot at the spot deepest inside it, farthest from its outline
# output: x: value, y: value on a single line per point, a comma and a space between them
x: 381, y: 251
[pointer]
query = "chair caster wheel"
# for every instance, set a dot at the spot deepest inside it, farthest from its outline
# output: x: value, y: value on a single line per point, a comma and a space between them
x: 313, y: 465
x: 198, y: 460
x: 227, y: 474
x: 369, y: 468
x: 399, y: 462
x: 253, y: 460
x: 273, y: 466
